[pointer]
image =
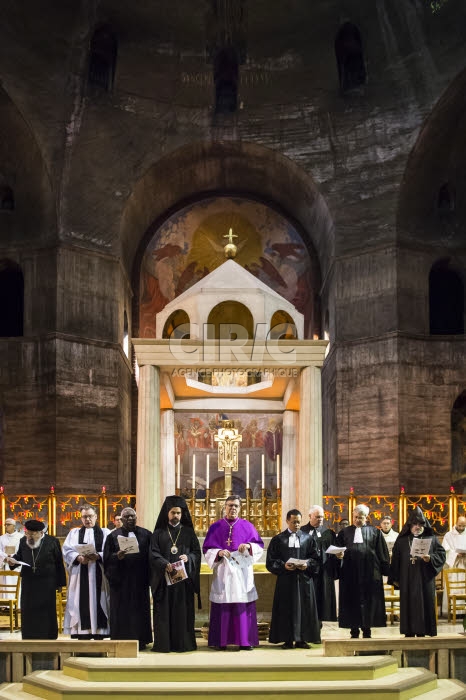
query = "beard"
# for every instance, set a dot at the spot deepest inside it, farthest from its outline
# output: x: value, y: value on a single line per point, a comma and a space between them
x: 33, y: 544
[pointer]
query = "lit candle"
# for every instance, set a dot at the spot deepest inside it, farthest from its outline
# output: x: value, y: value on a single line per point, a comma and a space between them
x: 247, y: 471
x: 194, y: 472
x: 207, y: 476
x: 263, y: 471
x: 278, y: 471
x: 178, y: 472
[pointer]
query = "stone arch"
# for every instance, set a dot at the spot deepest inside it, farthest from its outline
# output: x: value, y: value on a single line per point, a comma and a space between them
x: 282, y: 326
x: 435, y: 163
x: 204, y: 170
x: 458, y: 443
x: 11, y: 299
x: 446, y: 299
x: 177, y: 325
x: 230, y: 313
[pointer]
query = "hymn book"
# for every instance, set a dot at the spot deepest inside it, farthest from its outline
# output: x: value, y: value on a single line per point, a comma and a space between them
x: 420, y: 548
x: 177, y: 574
x: 129, y: 545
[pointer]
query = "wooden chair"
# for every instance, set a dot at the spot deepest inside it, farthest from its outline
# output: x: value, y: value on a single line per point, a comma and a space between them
x: 10, y: 582
x: 392, y: 601
x: 61, y: 604
x: 455, y: 583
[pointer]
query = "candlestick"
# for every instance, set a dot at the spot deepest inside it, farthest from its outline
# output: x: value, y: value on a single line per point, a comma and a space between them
x: 263, y: 471
x: 247, y: 471
x: 194, y: 473
x: 278, y: 471
x: 178, y: 472
x: 207, y: 475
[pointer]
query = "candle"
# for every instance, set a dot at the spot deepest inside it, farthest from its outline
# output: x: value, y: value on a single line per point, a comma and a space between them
x: 194, y: 472
x: 263, y: 471
x: 207, y: 476
x: 247, y: 471
x: 178, y: 472
x: 278, y: 471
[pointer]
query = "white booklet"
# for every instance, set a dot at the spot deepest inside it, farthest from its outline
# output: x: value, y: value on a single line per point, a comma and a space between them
x: 85, y: 549
x: 238, y: 560
x: 129, y: 545
x: 297, y: 562
x: 419, y: 548
x: 335, y: 550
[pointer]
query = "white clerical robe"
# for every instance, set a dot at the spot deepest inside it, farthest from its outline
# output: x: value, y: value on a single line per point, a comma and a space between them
x: 232, y: 584
x: 9, y: 544
x: 452, y: 541
x: 72, y: 621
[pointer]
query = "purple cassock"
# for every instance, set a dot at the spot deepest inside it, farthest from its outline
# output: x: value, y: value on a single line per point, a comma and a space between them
x: 233, y: 594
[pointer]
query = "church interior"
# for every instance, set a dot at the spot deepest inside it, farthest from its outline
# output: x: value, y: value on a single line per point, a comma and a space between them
x: 232, y: 211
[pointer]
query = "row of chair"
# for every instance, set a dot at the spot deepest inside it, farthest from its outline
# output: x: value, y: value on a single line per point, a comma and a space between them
x: 10, y: 583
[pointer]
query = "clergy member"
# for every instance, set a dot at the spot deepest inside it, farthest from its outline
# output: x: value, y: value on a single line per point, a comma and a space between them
x: 87, y: 605
x: 388, y: 533
x: 324, y: 581
x: 365, y: 561
x: 233, y: 594
x: 294, y: 611
x: 454, y: 544
x: 9, y: 543
x: 415, y: 576
x: 127, y: 572
x: 40, y: 580
x: 174, y: 541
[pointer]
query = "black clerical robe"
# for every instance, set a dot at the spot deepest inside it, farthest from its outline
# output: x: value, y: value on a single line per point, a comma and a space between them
x: 129, y: 587
x: 416, y: 582
x: 324, y: 581
x: 294, y: 610
x: 39, y: 583
x: 174, y: 605
x: 362, y: 602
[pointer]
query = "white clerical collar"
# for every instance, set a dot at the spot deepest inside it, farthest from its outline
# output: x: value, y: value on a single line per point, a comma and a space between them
x: 358, y: 536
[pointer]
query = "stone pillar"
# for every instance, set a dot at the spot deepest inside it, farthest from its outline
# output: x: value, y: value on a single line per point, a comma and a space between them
x: 167, y: 452
x: 148, y: 477
x: 309, y: 473
x: 289, y: 451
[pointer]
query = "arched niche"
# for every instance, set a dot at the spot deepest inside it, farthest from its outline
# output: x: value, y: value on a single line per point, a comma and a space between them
x: 446, y: 299
x: 102, y: 58
x: 230, y: 319
x: 458, y: 443
x: 177, y: 325
x: 282, y: 326
x: 11, y: 299
x: 350, y: 57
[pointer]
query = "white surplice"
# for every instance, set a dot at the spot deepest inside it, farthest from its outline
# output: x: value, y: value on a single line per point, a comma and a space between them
x: 452, y: 541
x: 232, y: 584
x: 72, y: 621
x: 9, y: 540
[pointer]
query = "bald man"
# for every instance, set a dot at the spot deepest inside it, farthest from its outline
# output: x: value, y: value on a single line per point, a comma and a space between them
x: 454, y: 543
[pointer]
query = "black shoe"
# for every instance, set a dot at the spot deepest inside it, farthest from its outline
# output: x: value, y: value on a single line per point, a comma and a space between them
x: 246, y: 648
x: 355, y: 633
x: 221, y: 648
x: 302, y: 645
x: 366, y: 634
x: 287, y: 645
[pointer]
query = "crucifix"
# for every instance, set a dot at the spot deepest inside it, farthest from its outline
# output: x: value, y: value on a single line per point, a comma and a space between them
x: 228, y: 442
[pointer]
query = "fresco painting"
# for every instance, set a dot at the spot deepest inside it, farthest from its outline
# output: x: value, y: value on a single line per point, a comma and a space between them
x: 189, y: 245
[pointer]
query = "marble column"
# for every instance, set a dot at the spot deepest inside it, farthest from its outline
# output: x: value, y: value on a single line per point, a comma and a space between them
x: 309, y: 473
x: 289, y: 451
x: 148, y: 476
x: 167, y: 452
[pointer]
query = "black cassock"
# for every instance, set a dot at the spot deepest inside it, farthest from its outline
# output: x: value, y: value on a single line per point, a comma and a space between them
x: 294, y: 610
x: 417, y: 585
x: 362, y: 602
x: 174, y: 605
x: 38, y: 588
x: 129, y: 587
x: 324, y: 582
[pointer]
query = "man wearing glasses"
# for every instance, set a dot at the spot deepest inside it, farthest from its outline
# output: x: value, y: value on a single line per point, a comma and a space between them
x: 87, y: 606
x: 231, y: 547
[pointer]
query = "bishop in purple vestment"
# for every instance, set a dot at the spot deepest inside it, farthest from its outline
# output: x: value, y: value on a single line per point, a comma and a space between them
x: 233, y: 594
